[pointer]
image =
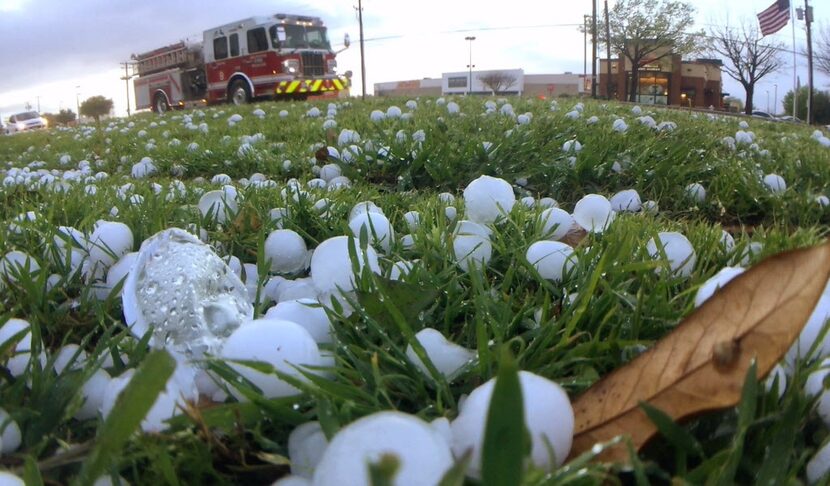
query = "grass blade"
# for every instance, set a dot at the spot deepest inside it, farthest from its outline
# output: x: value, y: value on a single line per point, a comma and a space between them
x: 505, y: 438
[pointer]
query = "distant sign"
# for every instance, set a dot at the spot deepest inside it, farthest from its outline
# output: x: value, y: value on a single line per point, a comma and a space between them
x: 408, y: 84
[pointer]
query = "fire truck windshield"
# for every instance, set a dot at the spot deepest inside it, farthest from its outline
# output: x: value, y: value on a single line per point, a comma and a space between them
x: 298, y: 37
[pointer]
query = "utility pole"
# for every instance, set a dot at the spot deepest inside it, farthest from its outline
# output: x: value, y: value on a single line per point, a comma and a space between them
x: 585, y: 19
x: 470, y: 39
x: 594, y: 51
x: 126, y: 79
x: 78, y: 103
x: 808, y: 19
x: 607, y: 53
x: 775, y: 102
x: 362, y: 58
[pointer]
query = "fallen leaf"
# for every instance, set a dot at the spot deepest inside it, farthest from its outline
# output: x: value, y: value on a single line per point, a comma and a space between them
x: 701, y: 365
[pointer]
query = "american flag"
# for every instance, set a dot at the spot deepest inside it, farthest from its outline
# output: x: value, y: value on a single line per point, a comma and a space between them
x: 775, y: 17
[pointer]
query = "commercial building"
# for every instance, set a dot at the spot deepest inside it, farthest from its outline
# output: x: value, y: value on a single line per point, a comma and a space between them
x: 667, y: 80
x: 501, y: 81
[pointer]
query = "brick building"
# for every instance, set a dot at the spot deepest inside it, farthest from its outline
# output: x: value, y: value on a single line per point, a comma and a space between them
x: 547, y: 85
x: 668, y: 80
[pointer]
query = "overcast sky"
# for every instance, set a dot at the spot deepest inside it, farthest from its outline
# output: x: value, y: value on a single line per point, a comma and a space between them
x: 60, y: 50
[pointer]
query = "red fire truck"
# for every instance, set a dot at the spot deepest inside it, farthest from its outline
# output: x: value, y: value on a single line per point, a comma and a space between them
x: 281, y: 56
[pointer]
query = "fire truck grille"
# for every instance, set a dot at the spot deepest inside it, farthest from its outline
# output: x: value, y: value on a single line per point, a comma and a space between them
x: 313, y: 64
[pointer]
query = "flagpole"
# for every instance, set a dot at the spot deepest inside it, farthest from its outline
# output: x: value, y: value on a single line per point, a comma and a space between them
x: 795, y: 59
x: 808, y: 17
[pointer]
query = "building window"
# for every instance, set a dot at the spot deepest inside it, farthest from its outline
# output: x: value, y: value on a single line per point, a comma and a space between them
x: 457, y: 82
x: 653, y: 88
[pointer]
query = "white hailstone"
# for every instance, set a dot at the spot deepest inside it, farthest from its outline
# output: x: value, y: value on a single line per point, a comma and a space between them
x: 218, y: 205
x: 306, y: 445
x: 727, y: 241
x: 301, y: 288
x: 136, y: 199
x: 453, y: 108
x: 330, y: 171
x: 70, y: 355
x: 306, y: 312
x: 331, y: 265
x: 221, y: 179
x: 743, y: 125
x: 65, y: 160
x: 364, y: 207
x: 259, y: 113
x: 715, y: 282
x: 450, y: 212
x: 488, y: 199
x: 234, y: 119
x: 819, y: 465
x: 619, y: 126
x: 93, y: 391
x: 18, y: 362
x: 10, y: 438
x: 419, y: 136
x: 377, y: 227
x: 548, y: 202
x: 446, y: 198
x: 283, y: 114
x: 626, y: 200
x: 400, y: 269
x: 592, y: 121
x: 144, y: 168
x: 696, y: 192
x: 28, y: 216
x: 775, y: 183
x: 412, y: 104
x: 824, y: 141
x: 572, y: 115
x: 523, y: 119
x: 321, y: 205
x: 393, y: 112
x: 422, y: 453
x: 109, y: 241
x: 667, y: 126
x: 556, y: 223
x: 448, y: 358
x: 636, y: 111
x: 647, y: 121
x: 465, y: 227
x: 377, y: 116
x: 822, y: 200
x: 180, y: 388
x: 412, y: 219
x: 528, y: 201
x: 179, y: 289
x: 548, y: 415
x: 552, y: 259
x: 571, y: 146
x: 594, y: 213
x: 407, y: 242
x: 811, y: 332
x: 745, y: 138
x: 286, y: 251
x: 778, y: 373
x: 680, y: 253
x: 472, y: 250
x: 313, y: 112
x: 348, y: 137
x: 339, y: 183
x: 282, y: 344
x: 192, y: 147
x: 651, y: 207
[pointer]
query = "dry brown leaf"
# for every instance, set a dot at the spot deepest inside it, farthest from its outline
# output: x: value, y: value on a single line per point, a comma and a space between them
x: 701, y: 365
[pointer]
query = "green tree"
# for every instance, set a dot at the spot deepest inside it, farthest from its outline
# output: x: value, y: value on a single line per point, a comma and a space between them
x: 734, y: 103
x: 61, y: 118
x: 646, y: 31
x: 96, y: 107
x: 748, y: 58
x: 822, y: 51
x: 821, y: 105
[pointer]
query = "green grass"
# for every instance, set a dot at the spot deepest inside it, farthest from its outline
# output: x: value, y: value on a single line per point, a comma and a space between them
x: 621, y: 304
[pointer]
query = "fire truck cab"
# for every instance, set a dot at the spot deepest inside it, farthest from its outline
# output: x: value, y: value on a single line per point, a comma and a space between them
x: 275, y: 56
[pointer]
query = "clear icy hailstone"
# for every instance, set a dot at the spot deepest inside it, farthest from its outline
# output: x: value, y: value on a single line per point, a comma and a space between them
x: 715, y: 282
x: 285, y: 345
x: 594, y: 213
x: 592, y: 121
x: 218, y: 205
x: 696, y: 192
x: 619, y: 126
x: 556, y: 223
x: 626, y: 200
x: 452, y: 108
x: 548, y: 415
x: 447, y: 357
x: 422, y: 452
x: 488, y: 199
x: 679, y: 251
x: 571, y: 146
x: 179, y: 289
x: 331, y: 265
x: 377, y: 227
x: 470, y: 250
x: 393, y: 112
x: 636, y: 111
x: 286, y: 250
x: 775, y: 183
x: 377, y: 116
x: 306, y: 312
x: 572, y: 115
x: 552, y: 259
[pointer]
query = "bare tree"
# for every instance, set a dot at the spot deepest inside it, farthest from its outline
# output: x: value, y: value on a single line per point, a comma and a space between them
x: 646, y: 31
x: 748, y: 59
x: 497, y: 81
x: 821, y: 53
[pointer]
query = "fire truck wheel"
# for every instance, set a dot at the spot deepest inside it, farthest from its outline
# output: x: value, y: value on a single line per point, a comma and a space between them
x: 238, y: 93
x: 160, y: 105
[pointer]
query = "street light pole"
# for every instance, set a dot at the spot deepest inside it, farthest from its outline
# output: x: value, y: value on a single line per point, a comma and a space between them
x: 775, y: 102
x: 767, y: 101
x: 470, y: 38
x: 78, y: 103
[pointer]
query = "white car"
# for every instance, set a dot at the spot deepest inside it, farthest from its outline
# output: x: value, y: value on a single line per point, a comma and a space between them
x: 28, y: 120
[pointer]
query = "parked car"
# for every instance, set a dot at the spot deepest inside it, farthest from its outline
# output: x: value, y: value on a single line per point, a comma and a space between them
x: 762, y: 114
x: 28, y: 120
x: 790, y: 118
